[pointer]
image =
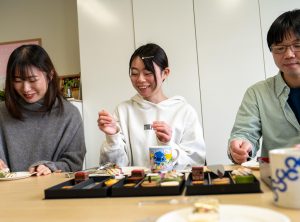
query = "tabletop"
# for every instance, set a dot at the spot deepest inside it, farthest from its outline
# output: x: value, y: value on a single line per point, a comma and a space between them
x: 23, y: 200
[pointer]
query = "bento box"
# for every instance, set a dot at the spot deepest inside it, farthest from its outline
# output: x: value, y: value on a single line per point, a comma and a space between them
x: 138, y: 183
x: 136, y: 188
x: 92, y: 187
x: 226, y: 185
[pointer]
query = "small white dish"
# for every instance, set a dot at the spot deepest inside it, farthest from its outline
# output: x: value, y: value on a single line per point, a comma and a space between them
x: 252, y: 164
x: 230, y: 213
x: 16, y: 176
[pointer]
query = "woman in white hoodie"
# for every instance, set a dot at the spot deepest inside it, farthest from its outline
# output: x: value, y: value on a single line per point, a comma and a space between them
x: 151, y: 118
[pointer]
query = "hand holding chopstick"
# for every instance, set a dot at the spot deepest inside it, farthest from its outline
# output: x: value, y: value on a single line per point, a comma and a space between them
x: 240, y: 150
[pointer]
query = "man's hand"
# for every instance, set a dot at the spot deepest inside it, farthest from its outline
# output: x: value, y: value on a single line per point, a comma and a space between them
x: 239, y: 150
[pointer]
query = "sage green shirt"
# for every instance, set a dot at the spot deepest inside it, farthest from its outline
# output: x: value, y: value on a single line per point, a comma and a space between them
x: 265, y: 113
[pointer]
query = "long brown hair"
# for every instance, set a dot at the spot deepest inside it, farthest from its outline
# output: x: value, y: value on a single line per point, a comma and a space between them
x: 19, y: 63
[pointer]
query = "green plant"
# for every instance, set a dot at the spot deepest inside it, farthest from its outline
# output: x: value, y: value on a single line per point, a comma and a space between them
x: 1, y: 95
x: 68, y: 83
x: 71, y: 83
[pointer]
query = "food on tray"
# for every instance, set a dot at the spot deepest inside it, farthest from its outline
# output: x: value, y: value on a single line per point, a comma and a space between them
x: 129, y: 185
x: 197, y: 182
x: 169, y: 183
x: 113, y: 171
x: 108, y: 169
x: 244, y: 179
x: 171, y: 176
x: 150, y: 183
x: 140, y: 173
x: 205, y: 210
x: 110, y: 182
x: 4, y: 172
x: 242, y: 171
x: 137, y: 178
x: 221, y: 181
x: 152, y: 180
x: 81, y: 176
x: 197, y: 175
x: 242, y: 175
x: 66, y: 187
x: 154, y: 176
x: 137, y: 174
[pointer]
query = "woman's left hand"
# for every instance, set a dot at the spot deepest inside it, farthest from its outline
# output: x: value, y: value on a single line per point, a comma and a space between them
x: 2, y: 165
x: 163, y: 131
x: 40, y: 170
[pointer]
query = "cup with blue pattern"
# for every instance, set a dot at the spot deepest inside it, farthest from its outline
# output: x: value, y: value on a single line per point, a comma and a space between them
x: 285, y: 174
x: 162, y: 158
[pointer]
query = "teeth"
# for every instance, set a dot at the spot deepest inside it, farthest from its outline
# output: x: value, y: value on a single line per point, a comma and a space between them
x: 292, y: 63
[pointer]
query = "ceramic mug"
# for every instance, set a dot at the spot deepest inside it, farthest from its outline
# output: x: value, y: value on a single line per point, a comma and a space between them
x: 161, y: 158
x: 285, y: 173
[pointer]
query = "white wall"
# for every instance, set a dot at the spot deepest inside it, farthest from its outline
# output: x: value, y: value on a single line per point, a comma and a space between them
x: 106, y: 43
x: 230, y: 60
x: 176, y: 37
x: 216, y: 50
x: 54, y: 21
x: 270, y: 10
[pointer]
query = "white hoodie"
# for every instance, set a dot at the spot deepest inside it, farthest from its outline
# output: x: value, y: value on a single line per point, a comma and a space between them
x: 130, y: 146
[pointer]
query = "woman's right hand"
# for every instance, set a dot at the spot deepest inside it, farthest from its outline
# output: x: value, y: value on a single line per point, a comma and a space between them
x: 107, y: 123
x: 40, y: 170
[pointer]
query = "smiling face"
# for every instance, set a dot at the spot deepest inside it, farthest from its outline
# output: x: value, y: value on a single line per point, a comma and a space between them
x: 144, y: 80
x: 34, y: 87
x: 289, y: 61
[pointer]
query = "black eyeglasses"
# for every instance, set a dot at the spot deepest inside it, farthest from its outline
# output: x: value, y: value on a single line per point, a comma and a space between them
x: 280, y: 49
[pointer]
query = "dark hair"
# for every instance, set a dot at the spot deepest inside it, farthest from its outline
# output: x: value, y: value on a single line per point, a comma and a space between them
x: 282, y: 27
x: 19, y: 63
x: 150, y: 53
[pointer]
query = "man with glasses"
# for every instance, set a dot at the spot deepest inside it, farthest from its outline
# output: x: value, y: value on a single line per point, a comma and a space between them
x: 271, y: 108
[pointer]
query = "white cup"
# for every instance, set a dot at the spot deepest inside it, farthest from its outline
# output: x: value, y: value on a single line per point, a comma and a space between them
x: 161, y: 158
x: 285, y: 173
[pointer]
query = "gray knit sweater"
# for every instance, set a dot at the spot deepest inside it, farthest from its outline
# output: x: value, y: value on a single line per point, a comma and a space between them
x: 42, y: 138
